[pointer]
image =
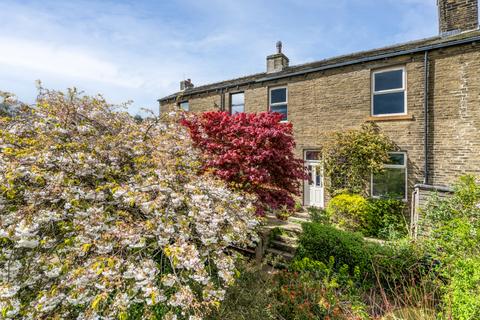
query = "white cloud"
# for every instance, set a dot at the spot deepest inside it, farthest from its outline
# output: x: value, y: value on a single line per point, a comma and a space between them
x: 57, y: 60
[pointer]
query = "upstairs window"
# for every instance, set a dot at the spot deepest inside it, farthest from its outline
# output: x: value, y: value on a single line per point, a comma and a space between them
x: 392, y: 182
x: 237, y: 102
x: 184, y: 106
x: 278, y: 101
x: 389, y: 96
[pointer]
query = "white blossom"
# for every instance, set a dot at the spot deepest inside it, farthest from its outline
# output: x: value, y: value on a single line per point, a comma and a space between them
x: 95, y: 206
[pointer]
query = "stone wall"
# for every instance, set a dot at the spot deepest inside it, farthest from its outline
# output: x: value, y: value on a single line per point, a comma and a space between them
x: 457, y: 15
x: 454, y: 114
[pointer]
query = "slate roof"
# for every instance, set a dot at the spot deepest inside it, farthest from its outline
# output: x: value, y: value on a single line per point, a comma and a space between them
x: 339, y: 61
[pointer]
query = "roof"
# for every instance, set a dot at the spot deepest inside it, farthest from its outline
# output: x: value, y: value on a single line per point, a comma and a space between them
x: 339, y: 61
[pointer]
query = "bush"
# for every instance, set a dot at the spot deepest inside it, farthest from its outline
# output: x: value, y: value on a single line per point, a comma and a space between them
x: 349, y: 212
x: 463, y: 292
x: 385, y: 219
x: 318, y: 215
x: 252, y: 152
x: 454, y: 240
x: 351, y: 156
x: 102, y: 216
x: 388, y: 263
x: 320, y: 242
x: 379, y: 218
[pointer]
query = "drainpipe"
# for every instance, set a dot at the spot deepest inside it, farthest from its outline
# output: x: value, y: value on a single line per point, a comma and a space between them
x: 425, y: 112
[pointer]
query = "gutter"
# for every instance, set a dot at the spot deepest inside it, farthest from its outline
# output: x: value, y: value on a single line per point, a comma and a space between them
x: 342, y: 64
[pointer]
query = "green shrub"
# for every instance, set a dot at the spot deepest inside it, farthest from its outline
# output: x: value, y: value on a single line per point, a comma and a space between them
x: 388, y: 263
x: 318, y: 215
x: 348, y: 211
x: 454, y: 240
x: 462, y: 294
x: 351, y: 156
x: 320, y: 242
x: 385, y: 219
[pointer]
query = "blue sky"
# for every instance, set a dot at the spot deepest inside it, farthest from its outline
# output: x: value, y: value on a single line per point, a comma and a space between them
x: 139, y: 50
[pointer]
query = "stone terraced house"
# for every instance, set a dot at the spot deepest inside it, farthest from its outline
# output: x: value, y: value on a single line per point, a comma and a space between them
x: 424, y: 94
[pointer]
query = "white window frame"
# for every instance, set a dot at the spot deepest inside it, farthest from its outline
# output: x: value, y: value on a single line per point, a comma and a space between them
x: 394, y: 166
x: 270, y: 104
x: 231, y: 101
x: 180, y: 105
x: 403, y: 89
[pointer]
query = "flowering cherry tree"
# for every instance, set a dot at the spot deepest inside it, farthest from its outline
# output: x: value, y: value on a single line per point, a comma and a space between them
x: 102, y: 216
x: 252, y: 152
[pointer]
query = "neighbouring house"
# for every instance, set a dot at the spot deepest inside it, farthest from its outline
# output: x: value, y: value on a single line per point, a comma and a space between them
x: 424, y: 94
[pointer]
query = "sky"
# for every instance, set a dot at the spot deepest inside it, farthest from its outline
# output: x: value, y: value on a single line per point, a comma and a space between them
x: 140, y: 50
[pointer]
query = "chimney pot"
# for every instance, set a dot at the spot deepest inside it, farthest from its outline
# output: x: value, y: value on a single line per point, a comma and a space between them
x: 279, y: 46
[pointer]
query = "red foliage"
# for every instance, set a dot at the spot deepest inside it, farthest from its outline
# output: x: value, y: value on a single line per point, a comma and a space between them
x: 253, y: 152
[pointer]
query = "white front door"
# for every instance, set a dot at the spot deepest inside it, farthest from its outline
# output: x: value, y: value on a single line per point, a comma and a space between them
x: 313, y: 189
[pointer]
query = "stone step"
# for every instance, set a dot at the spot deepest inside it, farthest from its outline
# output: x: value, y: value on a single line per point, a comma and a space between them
x: 294, y: 228
x: 302, y: 214
x: 297, y: 220
x: 283, y: 246
x: 287, y: 256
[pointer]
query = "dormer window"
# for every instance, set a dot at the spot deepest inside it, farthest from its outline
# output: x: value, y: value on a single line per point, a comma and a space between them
x: 388, y: 92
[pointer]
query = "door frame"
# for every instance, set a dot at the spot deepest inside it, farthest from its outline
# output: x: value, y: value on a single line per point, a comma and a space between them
x: 319, y: 161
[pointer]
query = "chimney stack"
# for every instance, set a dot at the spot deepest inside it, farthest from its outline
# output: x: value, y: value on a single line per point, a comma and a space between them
x: 278, y: 61
x: 457, y: 15
x: 186, y: 84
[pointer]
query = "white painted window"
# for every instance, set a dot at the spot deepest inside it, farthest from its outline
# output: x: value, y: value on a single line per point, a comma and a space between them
x: 389, y: 96
x: 278, y: 98
x: 184, y: 105
x: 392, y: 182
x: 237, y: 102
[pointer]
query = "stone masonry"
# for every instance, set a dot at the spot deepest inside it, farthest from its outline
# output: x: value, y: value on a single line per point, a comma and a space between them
x: 457, y: 15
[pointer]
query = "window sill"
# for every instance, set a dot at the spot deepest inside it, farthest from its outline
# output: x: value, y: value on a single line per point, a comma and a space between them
x: 391, y: 118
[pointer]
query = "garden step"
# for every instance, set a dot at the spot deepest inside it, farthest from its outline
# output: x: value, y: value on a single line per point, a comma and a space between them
x: 289, y: 227
x: 283, y: 246
x: 298, y: 220
x: 302, y: 214
x: 279, y: 253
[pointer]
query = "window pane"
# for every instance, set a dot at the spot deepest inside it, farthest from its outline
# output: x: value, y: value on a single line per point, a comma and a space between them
x: 281, y: 108
x: 238, y: 98
x: 390, y: 183
x: 237, y: 108
x: 318, y: 178
x: 389, y: 80
x: 397, y: 159
x: 312, y: 155
x: 310, y: 175
x: 389, y: 103
x: 184, y: 105
x: 278, y: 95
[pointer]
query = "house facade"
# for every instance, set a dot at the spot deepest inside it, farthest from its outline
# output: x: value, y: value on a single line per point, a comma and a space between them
x: 425, y: 95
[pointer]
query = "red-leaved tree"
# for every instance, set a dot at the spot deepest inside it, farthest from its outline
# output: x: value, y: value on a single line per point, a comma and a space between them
x: 253, y: 152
